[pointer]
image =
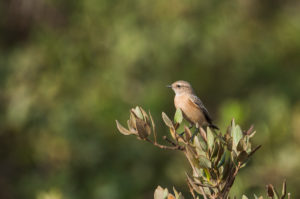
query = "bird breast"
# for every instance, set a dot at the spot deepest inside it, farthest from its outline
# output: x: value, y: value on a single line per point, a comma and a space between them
x: 191, y: 111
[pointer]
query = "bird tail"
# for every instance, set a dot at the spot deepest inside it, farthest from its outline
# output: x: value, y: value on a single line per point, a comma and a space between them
x: 214, y: 126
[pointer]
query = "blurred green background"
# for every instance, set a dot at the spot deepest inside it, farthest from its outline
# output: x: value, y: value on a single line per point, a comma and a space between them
x: 68, y: 69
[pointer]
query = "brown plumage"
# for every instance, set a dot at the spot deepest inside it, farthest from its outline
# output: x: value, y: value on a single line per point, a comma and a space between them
x: 192, y: 107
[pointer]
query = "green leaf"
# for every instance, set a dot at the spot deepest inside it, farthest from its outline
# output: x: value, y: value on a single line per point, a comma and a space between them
x: 242, y: 157
x: 180, y: 128
x: 131, y: 129
x: 215, y: 150
x: 229, y: 144
x: 206, y: 191
x: 203, y: 134
x: 233, y: 156
x: 272, y: 193
x: 207, y: 174
x: 252, y: 134
x: 188, y: 133
x: 219, y: 155
x: 177, y: 195
x: 167, y: 120
x: 241, y: 145
x: 152, y: 122
x: 227, y: 165
x: 180, y: 196
x: 222, y: 160
x: 204, y: 162
x: 244, y: 197
x: 199, y: 142
x: 210, y: 139
x: 283, y: 190
x: 175, y: 192
x: 145, y: 116
x: 178, y: 116
x: 248, y: 147
x: 161, y: 193
x: 138, y: 112
x: 132, y: 120
x: 237, y: 134
x: 190, y: 154
x: 122, y: 129
x: 194, y: 186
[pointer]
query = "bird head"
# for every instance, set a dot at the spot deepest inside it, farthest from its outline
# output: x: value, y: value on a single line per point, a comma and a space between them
x: 181, y: 87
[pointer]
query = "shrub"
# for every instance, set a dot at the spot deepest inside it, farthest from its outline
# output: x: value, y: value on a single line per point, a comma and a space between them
x: 215, y: 158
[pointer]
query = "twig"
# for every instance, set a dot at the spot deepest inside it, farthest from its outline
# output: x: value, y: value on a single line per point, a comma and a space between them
x: 191, y: 189
x: 204, y: 185
x: 154, y: 135
x: 170, y: 141
x: 177, y: 147
x: 230, y: 179
x: 203, y: 193
x: 218, y: 182
x: 254, y: 150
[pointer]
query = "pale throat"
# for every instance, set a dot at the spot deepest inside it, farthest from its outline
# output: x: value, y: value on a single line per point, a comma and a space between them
x: 179, y: 94
x: 183, y: 92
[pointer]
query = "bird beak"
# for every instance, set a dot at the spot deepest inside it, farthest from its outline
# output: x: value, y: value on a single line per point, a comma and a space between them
x: 169, y: 86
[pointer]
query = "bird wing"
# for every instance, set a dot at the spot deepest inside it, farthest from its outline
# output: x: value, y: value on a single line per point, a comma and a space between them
x: 195, y: 101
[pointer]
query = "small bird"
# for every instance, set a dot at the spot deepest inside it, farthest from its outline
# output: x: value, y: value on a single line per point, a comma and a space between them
x: 191, y: 106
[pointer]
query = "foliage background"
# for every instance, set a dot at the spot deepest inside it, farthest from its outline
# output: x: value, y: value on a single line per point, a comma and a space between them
x: 68, y: 69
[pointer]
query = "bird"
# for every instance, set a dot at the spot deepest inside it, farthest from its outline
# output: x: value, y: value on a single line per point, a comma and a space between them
x: 191, y: 106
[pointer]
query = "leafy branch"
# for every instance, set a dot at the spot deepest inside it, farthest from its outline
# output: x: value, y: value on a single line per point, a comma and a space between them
x: 215, y: 158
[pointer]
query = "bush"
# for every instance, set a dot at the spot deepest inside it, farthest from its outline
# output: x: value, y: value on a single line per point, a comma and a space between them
x: 215, y: 158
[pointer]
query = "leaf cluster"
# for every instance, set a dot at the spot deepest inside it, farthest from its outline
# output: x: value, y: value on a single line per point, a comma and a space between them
x: 215, y: 157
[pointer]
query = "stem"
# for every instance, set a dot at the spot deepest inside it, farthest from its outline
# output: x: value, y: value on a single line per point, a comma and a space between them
x: 203, y: 193
x: 218, y: 181
x: 177, y: 147
x: 203, y: 185
x: 191, y: 190
x: 229, y: 181
x: 154, y: 135
x: 170, y: 141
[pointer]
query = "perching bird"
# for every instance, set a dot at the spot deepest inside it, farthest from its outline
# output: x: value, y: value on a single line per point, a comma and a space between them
x: 191, y: 106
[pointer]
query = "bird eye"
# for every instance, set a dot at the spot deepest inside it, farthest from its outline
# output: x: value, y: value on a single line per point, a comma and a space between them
x: 178, y: 86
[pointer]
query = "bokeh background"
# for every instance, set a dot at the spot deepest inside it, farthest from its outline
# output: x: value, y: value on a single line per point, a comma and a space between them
x: 69, y: 68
